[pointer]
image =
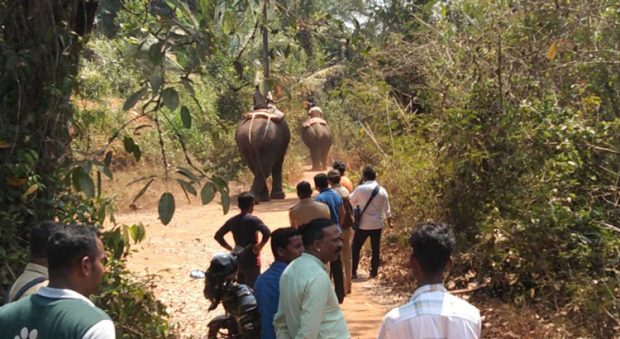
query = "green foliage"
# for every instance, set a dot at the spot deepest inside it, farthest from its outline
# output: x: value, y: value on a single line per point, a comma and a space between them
x: 516, y: 144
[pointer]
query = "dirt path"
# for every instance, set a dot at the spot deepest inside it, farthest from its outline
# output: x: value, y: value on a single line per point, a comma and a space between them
x: 171, y: 252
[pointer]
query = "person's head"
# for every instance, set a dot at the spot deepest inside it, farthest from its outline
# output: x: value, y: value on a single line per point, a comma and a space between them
x: 333, y: 176
x: 315, y: 112
x: 320, y: 181
x: 431, y: 251
x: 368, y: 173
x: 245, y: 201
x: 286, y: 244
x: 309, y: 103
x: 340, y: 166
x: 76, y: 259
x: 304, y: 190
x: 39, y: 236
x: 322, y: 238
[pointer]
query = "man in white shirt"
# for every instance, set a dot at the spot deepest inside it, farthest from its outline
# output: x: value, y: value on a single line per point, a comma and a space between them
x: 432, y: 312
x: 372, y: 223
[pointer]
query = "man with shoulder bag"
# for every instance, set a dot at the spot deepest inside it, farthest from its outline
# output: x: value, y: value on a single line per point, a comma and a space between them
x: 372, y: 206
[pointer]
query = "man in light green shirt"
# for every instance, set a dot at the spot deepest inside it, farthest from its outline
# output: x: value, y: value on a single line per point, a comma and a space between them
x: 308, y: 307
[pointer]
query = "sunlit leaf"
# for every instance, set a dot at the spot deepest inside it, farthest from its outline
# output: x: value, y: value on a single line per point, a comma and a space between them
x: 552, y: 51
x: 33, y: 188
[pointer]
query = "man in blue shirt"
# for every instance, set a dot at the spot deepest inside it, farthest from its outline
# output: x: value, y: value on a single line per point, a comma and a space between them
x: 335, y: 203
x: 286, y: 246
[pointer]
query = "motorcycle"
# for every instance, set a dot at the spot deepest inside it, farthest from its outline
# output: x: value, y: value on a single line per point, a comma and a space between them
x: 241, y: 319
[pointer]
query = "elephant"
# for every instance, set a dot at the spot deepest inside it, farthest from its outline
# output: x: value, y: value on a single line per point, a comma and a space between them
x: 262, y: 144
x: 318, y: 138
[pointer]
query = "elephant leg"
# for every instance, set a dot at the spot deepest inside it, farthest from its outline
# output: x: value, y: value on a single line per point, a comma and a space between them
x: 315, y: 155
x: 276, y: 186
x: 324, y: 155
x: 259, y: 186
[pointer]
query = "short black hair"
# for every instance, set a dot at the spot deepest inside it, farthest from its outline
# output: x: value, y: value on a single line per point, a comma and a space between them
x: 340, y: 166
x: 320, y: 181
x: 432, y: 244
x: 333, y: 176
x: 69, y: 245
x: 39, y: 236
x: 369, y: 173
x: 313, y: 230
x: 245, y: 200
x: 304, y: 190
x: 280, y: 238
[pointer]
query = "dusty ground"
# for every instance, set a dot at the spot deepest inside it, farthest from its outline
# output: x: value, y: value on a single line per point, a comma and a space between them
x: 171, y: 252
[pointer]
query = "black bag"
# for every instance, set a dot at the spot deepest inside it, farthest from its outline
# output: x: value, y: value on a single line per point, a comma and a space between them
x: 357, y: 212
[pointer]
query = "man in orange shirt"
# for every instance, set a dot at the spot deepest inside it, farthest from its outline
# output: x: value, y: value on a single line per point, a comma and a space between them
x: 344, y: 180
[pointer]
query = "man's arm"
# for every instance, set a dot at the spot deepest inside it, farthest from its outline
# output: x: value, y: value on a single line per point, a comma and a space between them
x: 313, y: 307
x: 387, y: 211
x: 291, y: 220
x: 383, y: 332
x: 264, y: 230
x: 219, y: 236
x: 279, y: 324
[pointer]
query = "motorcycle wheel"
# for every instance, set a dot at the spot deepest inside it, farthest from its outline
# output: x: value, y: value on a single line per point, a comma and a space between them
x: 223, y: 330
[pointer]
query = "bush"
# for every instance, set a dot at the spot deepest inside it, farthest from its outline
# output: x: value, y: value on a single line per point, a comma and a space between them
x: 516, y: 145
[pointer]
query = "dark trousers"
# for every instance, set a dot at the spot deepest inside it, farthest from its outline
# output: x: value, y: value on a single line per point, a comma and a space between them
x: 248, y: 275
x: 335, y: 270
x: 375, y: 242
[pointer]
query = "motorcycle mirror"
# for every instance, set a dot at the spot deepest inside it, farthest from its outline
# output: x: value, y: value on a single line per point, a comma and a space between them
x: 197, y: 274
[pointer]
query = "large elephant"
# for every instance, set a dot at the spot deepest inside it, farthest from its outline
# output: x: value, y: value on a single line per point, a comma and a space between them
x: 262, y: 144
x: 318, y: 138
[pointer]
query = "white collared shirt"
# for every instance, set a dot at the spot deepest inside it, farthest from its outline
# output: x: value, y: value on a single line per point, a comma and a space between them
x: 101, y: 330
x: 432, y: 312
x: 379, y: 207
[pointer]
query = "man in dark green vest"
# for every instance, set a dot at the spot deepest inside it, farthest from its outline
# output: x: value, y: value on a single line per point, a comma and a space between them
x: 62, y: 309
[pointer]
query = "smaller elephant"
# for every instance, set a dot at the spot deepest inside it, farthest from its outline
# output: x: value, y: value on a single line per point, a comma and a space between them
x: 317, y: 136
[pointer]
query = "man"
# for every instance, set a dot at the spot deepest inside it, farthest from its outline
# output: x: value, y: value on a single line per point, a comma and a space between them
x: 372, y: 223
x: 286, y: 246
x: 336, y: 209
x: 62, y: 309
x: 260, y: 101
x: 334, y: 178
x: 35, y: 274
x: 432, y: 312
x: 306, y: 209
x: 308, y: 307
x: 344, y: 180
x: 244, y: 227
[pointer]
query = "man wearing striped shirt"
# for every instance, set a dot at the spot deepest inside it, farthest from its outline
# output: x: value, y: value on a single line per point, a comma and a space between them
x: 432, y: 312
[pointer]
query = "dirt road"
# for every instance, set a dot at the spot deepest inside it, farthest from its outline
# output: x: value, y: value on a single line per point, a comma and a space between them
x: 171, y: 252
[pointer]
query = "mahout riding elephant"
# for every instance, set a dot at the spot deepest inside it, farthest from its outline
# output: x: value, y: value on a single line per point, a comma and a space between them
x: 262, y: 143
x: 317, y: 136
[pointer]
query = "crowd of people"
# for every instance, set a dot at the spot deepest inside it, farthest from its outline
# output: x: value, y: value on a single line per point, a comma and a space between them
x: 317, y: 257
x: 298, y: 296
